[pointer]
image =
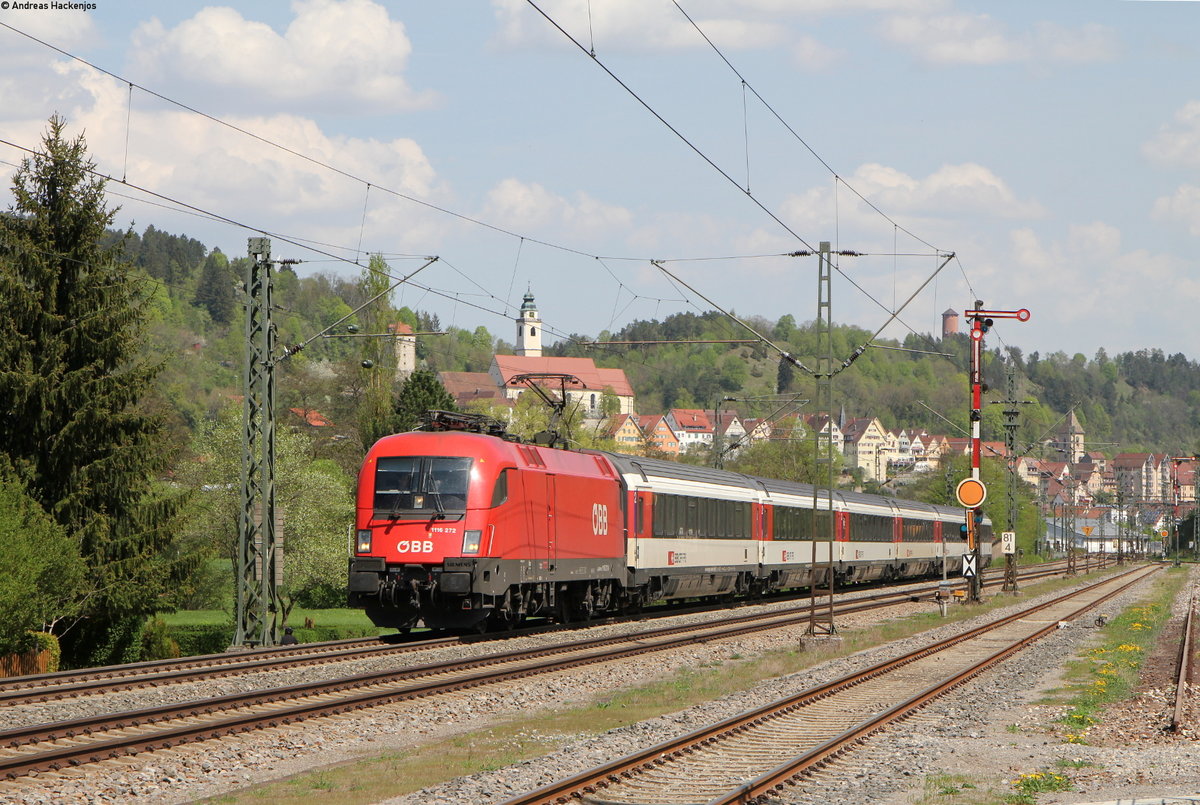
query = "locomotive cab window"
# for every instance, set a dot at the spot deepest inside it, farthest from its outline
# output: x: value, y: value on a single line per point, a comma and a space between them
x: 500, y: 491
x: 421, y: 487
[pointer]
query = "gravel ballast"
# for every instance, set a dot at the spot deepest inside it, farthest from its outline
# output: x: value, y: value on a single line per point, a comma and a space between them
x: 968, y: 731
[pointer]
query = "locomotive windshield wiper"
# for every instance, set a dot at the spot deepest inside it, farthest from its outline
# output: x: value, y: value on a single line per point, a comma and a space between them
x: 394, y: 512
x: 440, y: 514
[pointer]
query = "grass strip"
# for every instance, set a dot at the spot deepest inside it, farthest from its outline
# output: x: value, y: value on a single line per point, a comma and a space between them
x: 1108, y: 672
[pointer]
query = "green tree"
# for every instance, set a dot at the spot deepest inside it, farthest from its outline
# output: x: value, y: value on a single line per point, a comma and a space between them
x: 74, y: 390
x: 41, y: 574
x: 314, y: 495
x: 215, y: 293
x: 785, y: 460
x: 610, y: 403
x: 420, y: 393
x: 376, y: 413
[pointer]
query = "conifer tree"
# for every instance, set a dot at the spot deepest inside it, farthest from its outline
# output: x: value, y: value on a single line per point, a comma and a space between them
x: 420, y: 393
x: 73, y: 393
x: 215, y: 289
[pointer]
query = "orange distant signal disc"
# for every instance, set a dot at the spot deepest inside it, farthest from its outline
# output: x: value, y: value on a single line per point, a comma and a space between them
x: 971, y: 493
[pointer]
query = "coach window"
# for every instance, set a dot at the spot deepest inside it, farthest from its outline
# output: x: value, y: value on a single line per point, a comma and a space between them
x: 918, y: 531
x: 790, y: 522
x: 824, y: 527
x: 658, y: 522
x: 669, y: 515
x: 872, y: 528
x: 638, y: 514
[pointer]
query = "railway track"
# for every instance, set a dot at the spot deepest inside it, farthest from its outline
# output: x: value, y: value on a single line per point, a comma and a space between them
x: 66, y: 684
x: 754, y: 753
x: 60, y: 745
x: 1185, y: 665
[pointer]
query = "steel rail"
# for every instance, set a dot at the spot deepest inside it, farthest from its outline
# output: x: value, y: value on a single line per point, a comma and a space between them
x: 1183, y: 666
x: 647, y: 640
x: 526, y: 663
x: 153, y: 677
x: 63, y: 684
x: 589, y: 782
x: 789, y: 770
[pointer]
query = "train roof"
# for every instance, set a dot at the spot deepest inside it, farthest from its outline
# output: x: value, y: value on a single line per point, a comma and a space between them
x: 657, y: 467
x: 648, y: 467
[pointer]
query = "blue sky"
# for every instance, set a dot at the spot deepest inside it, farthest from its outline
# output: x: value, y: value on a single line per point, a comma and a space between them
x: 1053, y: 147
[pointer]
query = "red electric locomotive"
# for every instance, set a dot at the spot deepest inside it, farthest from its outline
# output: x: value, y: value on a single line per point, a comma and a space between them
x: 455, y: 528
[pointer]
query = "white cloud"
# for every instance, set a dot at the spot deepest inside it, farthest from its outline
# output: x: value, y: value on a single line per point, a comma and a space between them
x: 814, y: 55
x: 949, y: 193
x: 656, y: 26
x: 25, y: 65
x: 334, y: 54
x: 185, y: 156
x: 633, y: 24
x: 981, y: 39
x: 1177, y: 144
x: 530, y: 207
x: 1087, y: 271
x: 1182, y: 207
x: 813, y: 7
x: 61, y: 28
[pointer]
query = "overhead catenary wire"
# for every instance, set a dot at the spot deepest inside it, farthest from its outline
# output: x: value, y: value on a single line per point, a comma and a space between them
x: 894, y: 313
x: 746, y: 84
x: 599, y: 62
x: 782, y: 352
x: 292, y: 350
x: 207, y: 213
x: 291, y: 151
x: 300, y: 243
x: 193, y: 210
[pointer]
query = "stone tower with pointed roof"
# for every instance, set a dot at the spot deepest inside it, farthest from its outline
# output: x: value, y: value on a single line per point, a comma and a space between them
x: 1071, y: 437
x: 529, y: 329
x: 1068, y: 440
x: 949, y: 323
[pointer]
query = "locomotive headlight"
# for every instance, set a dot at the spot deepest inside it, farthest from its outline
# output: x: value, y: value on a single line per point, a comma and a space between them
x: 364, y: 540
x: 471, y: 541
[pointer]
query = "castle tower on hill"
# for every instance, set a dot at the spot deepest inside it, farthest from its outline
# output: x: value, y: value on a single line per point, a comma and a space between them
x: 529, y: 329
x: 949, y: 322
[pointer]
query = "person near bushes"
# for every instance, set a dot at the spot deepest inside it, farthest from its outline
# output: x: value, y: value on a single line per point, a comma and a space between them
x: 289, y: 639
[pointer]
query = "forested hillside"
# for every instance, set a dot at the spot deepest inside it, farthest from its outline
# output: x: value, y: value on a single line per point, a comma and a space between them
x: 1141, y: 401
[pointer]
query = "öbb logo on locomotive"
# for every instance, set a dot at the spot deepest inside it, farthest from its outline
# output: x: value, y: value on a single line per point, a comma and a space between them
x: 465, y: 531
x: 599, y: 519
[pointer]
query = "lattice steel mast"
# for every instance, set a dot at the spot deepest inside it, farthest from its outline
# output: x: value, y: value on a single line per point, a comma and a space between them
x: 259, y: 559
x: 823, y: 530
